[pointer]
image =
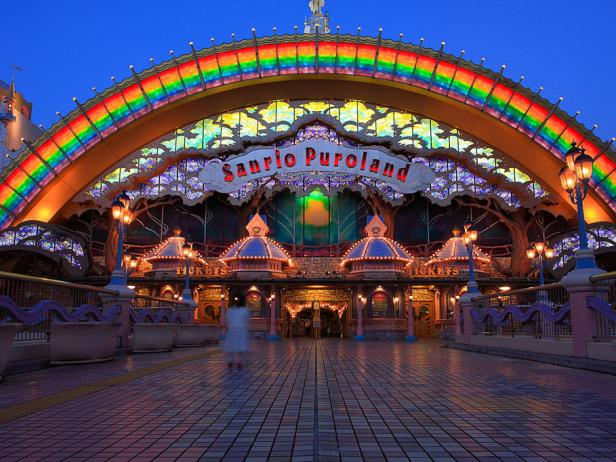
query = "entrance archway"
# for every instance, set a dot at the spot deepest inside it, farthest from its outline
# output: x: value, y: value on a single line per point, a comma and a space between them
x: 317, y: 321
x: 51, y: 170
x: 316, y: 312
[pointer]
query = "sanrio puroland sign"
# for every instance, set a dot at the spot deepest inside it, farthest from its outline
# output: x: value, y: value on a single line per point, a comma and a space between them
x: 316, y: 156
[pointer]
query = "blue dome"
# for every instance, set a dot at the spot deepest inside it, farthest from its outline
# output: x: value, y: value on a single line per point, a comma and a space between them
x: 376, y: 248
x: 255, y: 247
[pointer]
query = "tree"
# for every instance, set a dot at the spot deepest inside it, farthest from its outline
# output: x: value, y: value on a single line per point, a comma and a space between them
x: 517, y: 221
x: 385, y: 209
x: 253, y: 205
x: 111, y: 244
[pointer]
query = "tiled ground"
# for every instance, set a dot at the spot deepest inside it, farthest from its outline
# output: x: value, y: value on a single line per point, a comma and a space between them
x: 19, y: 388
x: 327, y: 400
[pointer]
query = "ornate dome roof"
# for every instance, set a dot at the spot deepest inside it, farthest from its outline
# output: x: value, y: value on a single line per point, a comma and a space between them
x: 376, y: 246
x: 171, y: 249
x: 256, y: 246
x: 454, y: 250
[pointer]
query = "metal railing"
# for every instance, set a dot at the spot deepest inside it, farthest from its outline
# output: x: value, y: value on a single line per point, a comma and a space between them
x: 541, y: 311
x: 554, y: 293
x: 145, y: 308
x: 157, y: 303
x: 49, y: 298
x: 604, y: 304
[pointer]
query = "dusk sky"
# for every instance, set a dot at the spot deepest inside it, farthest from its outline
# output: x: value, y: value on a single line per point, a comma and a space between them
x: 66, y: 47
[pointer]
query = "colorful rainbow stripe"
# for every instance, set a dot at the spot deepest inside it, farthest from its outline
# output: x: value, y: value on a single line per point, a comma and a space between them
x: 136, y: 97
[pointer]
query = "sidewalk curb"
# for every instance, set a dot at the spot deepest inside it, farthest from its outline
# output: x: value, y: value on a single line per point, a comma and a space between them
x: 586, y: 364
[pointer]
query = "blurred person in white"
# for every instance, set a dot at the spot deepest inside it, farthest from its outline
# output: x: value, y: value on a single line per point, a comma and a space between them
x: 236, y: 343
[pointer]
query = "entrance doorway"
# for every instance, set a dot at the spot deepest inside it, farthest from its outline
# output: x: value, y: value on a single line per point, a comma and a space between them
x: 316, y: 312
x: 424, y: 320
x: 316, y: 321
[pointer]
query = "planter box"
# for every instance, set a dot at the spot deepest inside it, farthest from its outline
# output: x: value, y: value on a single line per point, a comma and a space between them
x: 149, y: 338
x: 196, y: 334
x: 82, y: 342
x: 7, y: 335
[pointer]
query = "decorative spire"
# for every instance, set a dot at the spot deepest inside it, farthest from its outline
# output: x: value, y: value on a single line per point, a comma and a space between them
x: 257, y: 227
x: 317, y: 20
x: 376, y: 227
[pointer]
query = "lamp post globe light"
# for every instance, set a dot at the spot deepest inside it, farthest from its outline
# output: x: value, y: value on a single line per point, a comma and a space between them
x: 574, y: 179
x: 122, y: 216
x: 539, y: 251
x: 470, y: 235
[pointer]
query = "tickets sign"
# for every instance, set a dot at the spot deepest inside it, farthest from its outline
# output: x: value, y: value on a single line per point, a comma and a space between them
x: 434, y: 271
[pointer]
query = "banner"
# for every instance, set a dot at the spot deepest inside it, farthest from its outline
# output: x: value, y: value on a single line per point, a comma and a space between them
x: 317, y: 156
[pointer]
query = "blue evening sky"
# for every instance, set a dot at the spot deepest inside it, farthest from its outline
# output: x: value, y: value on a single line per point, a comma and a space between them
x: 66, y: 47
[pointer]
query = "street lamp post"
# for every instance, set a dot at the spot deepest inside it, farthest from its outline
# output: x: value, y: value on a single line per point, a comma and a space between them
x: 222, y: 307
x: 410, y: 322
x: 188, y: 253
x: 123, y: 216
x: 273, y: 335
x: 470, y: 236
x: 540, y: 252
x: 574, y: 179
x: 359, y: 331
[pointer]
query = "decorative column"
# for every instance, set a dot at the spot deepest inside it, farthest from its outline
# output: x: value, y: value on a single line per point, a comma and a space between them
x: 410, y: 322
x: 457, y: 316
x: 467, y: 304
x: 123, y: 300
x: 360, y: 301
x: 273, y: 335
x: 583, y: 319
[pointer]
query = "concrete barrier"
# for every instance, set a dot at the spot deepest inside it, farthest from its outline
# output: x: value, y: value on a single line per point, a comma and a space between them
x: 604, y: 351
x: 150, y: 338
x: 195, y: 334
x: 522, y: 343
x: 82, y: 342
x: 7, y: 335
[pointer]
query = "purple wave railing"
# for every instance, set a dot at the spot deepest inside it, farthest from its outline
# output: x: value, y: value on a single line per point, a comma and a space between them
x: 142, y: 315
x: 602, y: 307
x: 499, y: 316
x: 42, y: 309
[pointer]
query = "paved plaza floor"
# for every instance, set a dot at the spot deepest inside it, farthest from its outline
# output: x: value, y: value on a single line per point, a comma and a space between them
x: 309, y: 400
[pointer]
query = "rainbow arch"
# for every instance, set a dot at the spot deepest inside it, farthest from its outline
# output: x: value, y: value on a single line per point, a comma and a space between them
x: 213, y: 67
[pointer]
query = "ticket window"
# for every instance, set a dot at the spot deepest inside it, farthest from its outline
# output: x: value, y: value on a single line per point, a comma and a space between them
x: 253, y: 303
x: 380, y: 305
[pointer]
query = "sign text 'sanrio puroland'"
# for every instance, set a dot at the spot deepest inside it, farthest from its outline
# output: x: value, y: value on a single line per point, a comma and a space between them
x: 316, y: 156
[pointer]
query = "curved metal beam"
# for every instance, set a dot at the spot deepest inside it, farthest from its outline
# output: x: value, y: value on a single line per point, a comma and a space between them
x: 86, y: 168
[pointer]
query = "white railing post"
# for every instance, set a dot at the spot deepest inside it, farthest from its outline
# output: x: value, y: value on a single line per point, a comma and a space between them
x: 579, y: 287
x: 467, y: 305
x: 123, y: 300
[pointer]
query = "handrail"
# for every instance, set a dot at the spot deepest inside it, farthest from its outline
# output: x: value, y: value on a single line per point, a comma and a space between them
x: 53, y: 282
x: 527, y: 290
x: 160, y: 299
x: 603, y: 277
